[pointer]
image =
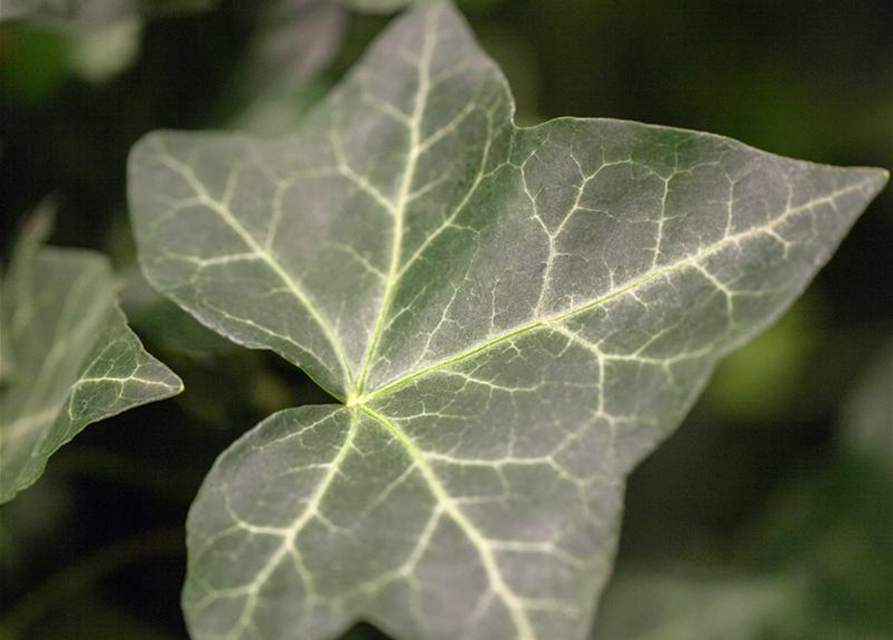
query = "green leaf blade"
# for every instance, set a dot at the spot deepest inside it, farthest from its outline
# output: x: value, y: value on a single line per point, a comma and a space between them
x: 593, y: 220
x: 76, y: 360
x: 317, y: 473
x: 360, y: 159
x: 512, y: 317
x: 306, y: 473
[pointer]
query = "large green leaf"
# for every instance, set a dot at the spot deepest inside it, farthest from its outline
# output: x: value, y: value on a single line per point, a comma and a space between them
x: 76, y: 362
x: 511, y: 319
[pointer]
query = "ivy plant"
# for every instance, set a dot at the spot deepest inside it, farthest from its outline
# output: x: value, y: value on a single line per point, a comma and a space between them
x: 507, y: 319
x: 68, y: 358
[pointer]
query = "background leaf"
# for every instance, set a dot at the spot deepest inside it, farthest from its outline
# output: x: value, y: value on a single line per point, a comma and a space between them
x: 90, y: 14
x: 76, y: 360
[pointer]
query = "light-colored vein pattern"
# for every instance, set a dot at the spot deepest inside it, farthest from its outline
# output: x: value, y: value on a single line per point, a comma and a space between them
x: 76, y: 362
x: 511, y: 318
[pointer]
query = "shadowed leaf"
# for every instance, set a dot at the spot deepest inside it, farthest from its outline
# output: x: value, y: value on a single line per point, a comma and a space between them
x: 76, y: 362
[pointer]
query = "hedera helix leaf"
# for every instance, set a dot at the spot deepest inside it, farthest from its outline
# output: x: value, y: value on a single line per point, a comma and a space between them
x: 511, y: 319
x: 90, y: 14
x: 76, y: 362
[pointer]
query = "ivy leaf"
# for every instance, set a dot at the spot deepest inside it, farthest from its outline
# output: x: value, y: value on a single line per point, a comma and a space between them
x: 90, y: 14
x: 511, y: 319
x: 76, y: 362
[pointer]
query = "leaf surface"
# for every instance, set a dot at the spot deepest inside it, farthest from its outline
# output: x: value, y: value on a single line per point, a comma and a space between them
x: 511, y: 319
x: 76, y: 362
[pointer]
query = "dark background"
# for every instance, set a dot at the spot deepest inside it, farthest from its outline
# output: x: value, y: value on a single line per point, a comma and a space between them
x: 768, y: 515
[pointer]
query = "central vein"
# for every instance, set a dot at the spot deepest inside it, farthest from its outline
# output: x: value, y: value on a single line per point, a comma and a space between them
x: 401, y: 203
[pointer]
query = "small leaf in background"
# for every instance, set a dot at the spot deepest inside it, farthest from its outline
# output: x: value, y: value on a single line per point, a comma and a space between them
x: 80, y: 15
x: 512, y: 318
x: 106, y: 51
x: 76, y: 362
x: 292, y: 43
x: 95, y: 39
x: 667, y: 607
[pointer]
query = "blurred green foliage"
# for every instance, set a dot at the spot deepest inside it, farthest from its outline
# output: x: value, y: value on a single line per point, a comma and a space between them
x: 812, y: 561
x: 767, y: 517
